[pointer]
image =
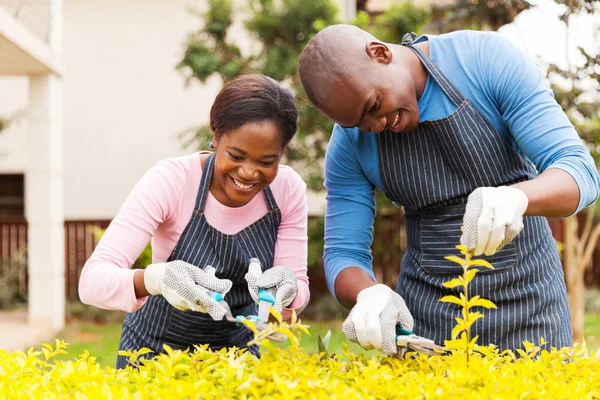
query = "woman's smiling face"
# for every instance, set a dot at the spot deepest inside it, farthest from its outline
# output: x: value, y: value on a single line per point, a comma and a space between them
x: 246, y: 161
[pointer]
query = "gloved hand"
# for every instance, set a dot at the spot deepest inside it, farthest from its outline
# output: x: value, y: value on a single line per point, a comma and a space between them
x: 493, y: 218
x: 372, y: 321
x: 280, y: 277
x: 187, y: 287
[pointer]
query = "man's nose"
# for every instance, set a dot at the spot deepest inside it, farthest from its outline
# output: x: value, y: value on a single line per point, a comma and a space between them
x: 376, y: 124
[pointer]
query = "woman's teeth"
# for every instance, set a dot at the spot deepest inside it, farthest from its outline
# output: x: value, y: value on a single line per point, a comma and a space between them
x: 242, y: 185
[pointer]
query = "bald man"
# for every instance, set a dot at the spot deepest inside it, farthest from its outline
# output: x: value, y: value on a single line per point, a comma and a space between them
x: 461, y: 130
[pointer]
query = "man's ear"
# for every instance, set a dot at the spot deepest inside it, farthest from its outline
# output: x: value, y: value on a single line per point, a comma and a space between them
x: 379, y: 52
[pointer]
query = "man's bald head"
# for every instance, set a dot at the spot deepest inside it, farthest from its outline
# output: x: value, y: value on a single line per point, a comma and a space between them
x: 359, y: 81
x: 332, y: 55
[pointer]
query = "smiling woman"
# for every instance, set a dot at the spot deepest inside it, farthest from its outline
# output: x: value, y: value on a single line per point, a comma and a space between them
x: 208, y: 214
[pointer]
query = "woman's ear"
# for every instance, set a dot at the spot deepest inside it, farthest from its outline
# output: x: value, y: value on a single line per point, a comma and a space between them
x: 215, y: 141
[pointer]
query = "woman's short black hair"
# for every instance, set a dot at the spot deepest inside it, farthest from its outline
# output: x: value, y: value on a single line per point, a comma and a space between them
x: 254, y: 98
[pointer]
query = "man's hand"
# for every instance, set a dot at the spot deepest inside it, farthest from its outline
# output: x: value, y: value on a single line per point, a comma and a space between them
x: 493, y: 218
x: 372, y: 321
x: 187, y: 287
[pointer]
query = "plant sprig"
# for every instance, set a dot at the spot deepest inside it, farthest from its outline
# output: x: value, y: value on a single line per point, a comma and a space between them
x: 461, y: 334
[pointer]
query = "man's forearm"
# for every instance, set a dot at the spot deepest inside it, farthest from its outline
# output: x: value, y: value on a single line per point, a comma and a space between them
x: 554, y: 193
x: 349, y: 283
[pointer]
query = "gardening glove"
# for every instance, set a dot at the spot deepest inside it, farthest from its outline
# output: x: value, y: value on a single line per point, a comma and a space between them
x: 372, y: 321
x: 187, y: 287
x: 279, y: 277
x: 493, y: 218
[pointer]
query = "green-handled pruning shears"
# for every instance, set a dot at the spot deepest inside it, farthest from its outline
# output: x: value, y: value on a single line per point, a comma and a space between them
x: 408, y: 339
x: 258, y: 323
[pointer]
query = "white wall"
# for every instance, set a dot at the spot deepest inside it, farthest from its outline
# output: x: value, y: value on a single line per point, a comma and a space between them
x: 124, y: 101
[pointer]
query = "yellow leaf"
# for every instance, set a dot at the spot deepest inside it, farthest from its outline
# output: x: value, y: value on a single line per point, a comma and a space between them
x: 478, y: 302
x: 455, y: 259
x: 481, y: 263
x: 454, y: 283
x: 472, y: 317
x: 469, y: 275
x: 452, y: 299
x: 456, y: 331
x: 276, y: 314
x: 250, y: 325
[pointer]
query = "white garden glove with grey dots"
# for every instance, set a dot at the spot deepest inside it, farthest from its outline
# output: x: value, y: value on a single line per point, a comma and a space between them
x: 187, y: 287
x: 372, y: 321
x: 493, y: 218
x: 279, y: 277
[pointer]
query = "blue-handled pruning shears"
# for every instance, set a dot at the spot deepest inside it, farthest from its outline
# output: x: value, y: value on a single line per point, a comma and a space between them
x: 408, y: 339
x: 258, y: 323
x: 266, y: 299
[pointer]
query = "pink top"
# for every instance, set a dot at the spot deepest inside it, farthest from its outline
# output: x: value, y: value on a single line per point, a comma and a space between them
x: 159, y: 208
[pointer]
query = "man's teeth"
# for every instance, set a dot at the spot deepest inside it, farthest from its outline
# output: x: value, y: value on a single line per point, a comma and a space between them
x: 396, y: 120
x: 241, y: 185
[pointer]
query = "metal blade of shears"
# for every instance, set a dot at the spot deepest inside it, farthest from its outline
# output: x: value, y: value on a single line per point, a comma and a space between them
x: 420, y: 344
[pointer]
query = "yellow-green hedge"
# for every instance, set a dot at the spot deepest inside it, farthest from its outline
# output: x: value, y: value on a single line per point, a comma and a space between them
x: 291, y: 374
x: 470, y: 371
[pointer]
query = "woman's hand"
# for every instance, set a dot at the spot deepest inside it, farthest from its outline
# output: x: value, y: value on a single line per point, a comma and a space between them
x: 187, y: 287
x: 279, y: 277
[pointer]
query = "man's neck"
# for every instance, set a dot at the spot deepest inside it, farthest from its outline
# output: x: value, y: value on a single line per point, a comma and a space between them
x: 414, y: 66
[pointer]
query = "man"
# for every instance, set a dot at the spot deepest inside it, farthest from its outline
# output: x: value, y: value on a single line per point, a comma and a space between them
x: 461, y: 130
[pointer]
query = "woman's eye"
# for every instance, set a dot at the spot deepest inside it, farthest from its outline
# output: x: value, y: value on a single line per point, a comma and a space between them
x: 234, y: 157
x: 267, y: 163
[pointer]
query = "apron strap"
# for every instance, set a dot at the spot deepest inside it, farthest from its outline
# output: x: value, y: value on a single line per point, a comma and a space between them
x: 437, y: 75
x: 204, y: 187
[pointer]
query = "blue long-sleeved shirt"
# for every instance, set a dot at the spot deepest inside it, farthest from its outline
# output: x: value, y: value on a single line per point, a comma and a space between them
x: 505, y: 85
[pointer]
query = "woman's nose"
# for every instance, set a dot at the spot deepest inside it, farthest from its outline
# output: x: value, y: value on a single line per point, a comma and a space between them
x: 247, y: 172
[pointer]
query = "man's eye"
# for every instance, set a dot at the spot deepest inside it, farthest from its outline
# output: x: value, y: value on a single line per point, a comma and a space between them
x: 375, y: 106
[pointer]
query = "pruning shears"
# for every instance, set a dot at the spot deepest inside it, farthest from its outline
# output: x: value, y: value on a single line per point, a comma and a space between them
x: 266, y: 299
x: 408, y: 339
x: 256, y: 321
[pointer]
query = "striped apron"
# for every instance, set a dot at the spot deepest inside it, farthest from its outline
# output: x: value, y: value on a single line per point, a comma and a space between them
x: 157, y: 322
x: 431, y: 171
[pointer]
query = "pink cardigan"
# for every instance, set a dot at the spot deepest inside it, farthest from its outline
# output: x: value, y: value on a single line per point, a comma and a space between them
x: 160, y: 206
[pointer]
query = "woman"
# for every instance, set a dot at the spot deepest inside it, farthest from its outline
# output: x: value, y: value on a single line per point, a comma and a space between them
x: 208, y: 214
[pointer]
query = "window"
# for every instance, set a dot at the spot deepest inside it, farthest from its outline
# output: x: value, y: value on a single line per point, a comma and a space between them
x: 12, y: 197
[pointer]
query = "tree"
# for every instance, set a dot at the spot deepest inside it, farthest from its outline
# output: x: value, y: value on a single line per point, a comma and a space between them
x: 283, y: 28
x: 572, y: 87
x: 476, y: 14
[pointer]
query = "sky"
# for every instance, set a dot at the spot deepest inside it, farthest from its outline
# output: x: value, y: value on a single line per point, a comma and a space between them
x: 539, y: 32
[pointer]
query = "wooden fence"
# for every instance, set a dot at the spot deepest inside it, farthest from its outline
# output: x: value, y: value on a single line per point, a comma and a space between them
x: 80, y: 241
x: 13, y: 255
